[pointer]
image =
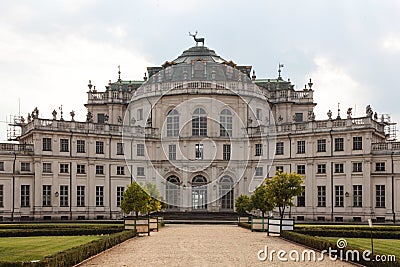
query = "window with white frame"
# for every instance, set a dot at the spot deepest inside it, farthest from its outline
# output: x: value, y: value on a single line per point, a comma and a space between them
x: 64, y: 145
x: 140, y: 150
x: 80, y: 195
x: 172, y: 152
x: 279, y: 148
x: 173, y: 123
x: 64, y: 168
x: 259, y: 171
x: 339, y: 144
x: 99, y: 147
x: 46, y: 144
x: 321, y: 196
x: 357, y: 166
x: 380, y: 166
x: 357, y: 195
x: 140, y: 171
x: 226, y: 151
x: 301, y: 199
x: 80, y: 169
x: 225, y: 122
x: 120, y: 170
x: 321, y: 145
x: 63, y: 195
x: 25, y: 167
x: 301, y: 169
x: 99, y: 196
x: 46, y: 194
x: 1, y: 196
x: 1, y: 166
x: 357, y: 143
x: 80, y: 146
x: 339, y: 196
x: 120, y: 148
x: 301, y: 147
x: 199, y: 122
x: 380, y: 196
x: 259, y: 149
x: 46, y: 167
x: 99, y: 169
x: 321, y: 168
x: 120, y: 195
x: 339, y: 168
x: 25, y: 195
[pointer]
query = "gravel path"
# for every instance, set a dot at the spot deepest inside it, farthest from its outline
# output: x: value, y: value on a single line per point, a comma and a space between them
x: 200, y: 245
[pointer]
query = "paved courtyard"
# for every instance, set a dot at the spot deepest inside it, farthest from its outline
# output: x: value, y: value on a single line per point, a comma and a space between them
x: 200, y: 245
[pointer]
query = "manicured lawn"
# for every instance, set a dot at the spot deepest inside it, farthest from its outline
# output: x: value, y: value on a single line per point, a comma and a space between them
x: 381, y: 246
x: 37, y: 247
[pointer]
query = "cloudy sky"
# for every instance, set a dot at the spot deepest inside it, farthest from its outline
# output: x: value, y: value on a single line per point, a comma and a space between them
x: 50, y: 49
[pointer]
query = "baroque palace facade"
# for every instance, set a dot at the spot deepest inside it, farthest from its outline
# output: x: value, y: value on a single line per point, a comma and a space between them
x: 203, y: 130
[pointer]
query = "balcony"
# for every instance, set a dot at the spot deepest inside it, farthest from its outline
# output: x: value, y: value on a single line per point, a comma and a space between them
x: 385, y: 147
x: 10, y: 148
x: 110, y: 96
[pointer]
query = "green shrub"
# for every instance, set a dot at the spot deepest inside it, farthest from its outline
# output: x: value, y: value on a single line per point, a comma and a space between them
x: 57, y: 232
x: 356, y: 233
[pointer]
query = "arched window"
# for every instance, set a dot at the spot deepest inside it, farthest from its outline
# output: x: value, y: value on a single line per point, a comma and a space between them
x: 226, y: 193
x: 199, y: 122
x: 225, y: 123
x: 173, y: 123
x: 199, y: 193
x: 173, y: 192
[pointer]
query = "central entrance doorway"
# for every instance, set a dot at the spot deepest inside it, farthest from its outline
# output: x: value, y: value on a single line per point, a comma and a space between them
x: 199, y: 193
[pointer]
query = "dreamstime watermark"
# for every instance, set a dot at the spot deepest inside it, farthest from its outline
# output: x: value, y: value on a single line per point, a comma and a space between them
x: 310, y: 255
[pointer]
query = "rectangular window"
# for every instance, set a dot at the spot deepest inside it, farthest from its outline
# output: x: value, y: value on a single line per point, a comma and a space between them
x: 339, y: 200
x: 120, y: 148
x: 301, y: 147
x: 321, y: 145
x: 25, y: 166
x: 99, y: 169
x: 301, y: 169
x: 339, y: 144
x: 1, y: 165
x: 80, y: 196
x: 226, y: 153
x: 321, y: 168
x: 101, y: 118
x: 1, y: 196
x: 46, y: 142
x: 258, y: 114
x: 259, y: 171
x: 279, y: 148
x: 120, y: 195
x: 140, y: 150
x: 298, y: 117
x: 80, y: 169
x: 140, y: 171
x: 25, y: 195
x: 46, y: 167
x: 99, y: 147
x: 199, y: 151
x: 301, y: 200
x: 357, y: 166
x: 63, y: 195
x: 172, y: 152
x: 120, y: 170
x: 64, y: 145
x: 80, y: 146
x: 321, y: 196
x: 339, y: 168
x: 99, y: 196
x: 140, y: 114
x: 380, y: 166
x: 380, y: 196
x: 357, y: 195
x: 46, y: 195
x: 259, y: 149
x: 279, y: 168
x: 64, y: 168
x: 357, y: 143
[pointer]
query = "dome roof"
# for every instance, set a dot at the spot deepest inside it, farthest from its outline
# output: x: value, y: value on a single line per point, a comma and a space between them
x: 199, y: 52
x: 198, y: 63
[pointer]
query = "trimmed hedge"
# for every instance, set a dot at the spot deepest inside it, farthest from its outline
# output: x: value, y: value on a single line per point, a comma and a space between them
x: 389, y: 228
x: 321, y: 244
x: 60, y: 226
x: 75, y: 255
x: 56, y: 232
x: 350, y: 233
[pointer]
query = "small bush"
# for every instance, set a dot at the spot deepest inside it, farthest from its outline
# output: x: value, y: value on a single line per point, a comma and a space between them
x: 57, y: 232
x: 343, y: 232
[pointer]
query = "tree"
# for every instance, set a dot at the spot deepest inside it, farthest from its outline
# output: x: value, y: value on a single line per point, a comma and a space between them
x: 155, y: 203
x: 242, y: 204
x: 261, y: 200
x: 282, y: 188
x: 135, y: 200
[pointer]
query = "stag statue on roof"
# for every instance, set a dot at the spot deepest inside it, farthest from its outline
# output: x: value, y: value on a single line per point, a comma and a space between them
x: 197, y: 40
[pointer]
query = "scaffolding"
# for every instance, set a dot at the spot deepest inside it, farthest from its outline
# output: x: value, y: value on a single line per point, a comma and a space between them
x: 14, y: 127
x: 389, y: 128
